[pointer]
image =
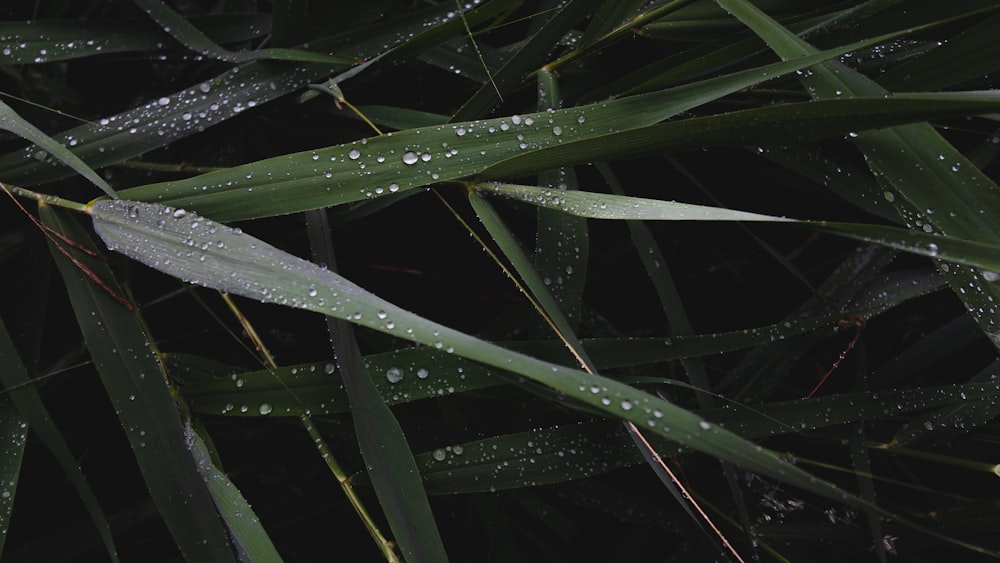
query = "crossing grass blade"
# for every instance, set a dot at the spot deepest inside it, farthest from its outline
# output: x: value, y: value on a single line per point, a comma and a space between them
x: 198, y: 250
x: 133, y: 378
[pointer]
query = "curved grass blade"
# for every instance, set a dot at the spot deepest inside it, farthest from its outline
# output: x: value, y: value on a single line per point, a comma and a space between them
x: 45, y: 146
x: 187, y: 246
x: 417, y: 157
x: 605, y: 206
x: 133, y: 378
x: 25, y: 401
x: 193, y: 38
x: 194, y: 109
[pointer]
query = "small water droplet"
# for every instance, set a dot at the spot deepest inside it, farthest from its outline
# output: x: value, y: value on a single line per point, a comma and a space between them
x: 626, y: 405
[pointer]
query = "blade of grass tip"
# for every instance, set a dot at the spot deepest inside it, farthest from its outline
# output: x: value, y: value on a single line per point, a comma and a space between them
x: 193, y: 38
x: 11, y: 121
x: 26, y: 402
x: 391, y: 466
x: 659, y: 273
x: 14, y: 436
x: 547, y: 306
x: 161, y: 237
x: 252, y: 543
x: 133, y: 378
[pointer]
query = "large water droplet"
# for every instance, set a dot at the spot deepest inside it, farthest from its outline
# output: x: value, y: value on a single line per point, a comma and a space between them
x: 410, y: 157
x: 354, y: 154
x: 265, y: 408
x: 393, y: 375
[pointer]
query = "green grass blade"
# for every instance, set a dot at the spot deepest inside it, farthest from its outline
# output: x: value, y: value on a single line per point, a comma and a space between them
x: 133, y: 379
x: 249, y: 537
x: 14, y: 433
x: 562, y: 242
x: 384, y: 447
x: 961, y: 201
x: 193, y: 109
x: 47, y: 41
x: 193, y: 38
x: 418, y: 157
x: 25, y: 401
x: 192, y: 248
x: 46, y: 146
x: 528, y: 58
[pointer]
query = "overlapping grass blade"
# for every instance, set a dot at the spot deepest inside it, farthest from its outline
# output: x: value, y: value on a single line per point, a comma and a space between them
x: 985, y: 256
x: 22, y: 407
x: 384, y: 447
x: 47, y: 41
x: 416, y: 157
x: 901, y: 159
x: 198, y: 250
x: 198, y: 107
x: 249, y: 537
x: 46, y: 146
x: 191, y: 37
x: 133, y: 379
x: 574, y: 451
x: 412, y: 374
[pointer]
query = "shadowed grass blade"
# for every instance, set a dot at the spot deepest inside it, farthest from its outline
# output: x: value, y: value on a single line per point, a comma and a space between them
x: 14, y: 435
x: 133, y: 378
x: 191, y: 37
x: 384, y: 447
x: 249, y: 537
x: 25, y: 404
x: 192, y: 248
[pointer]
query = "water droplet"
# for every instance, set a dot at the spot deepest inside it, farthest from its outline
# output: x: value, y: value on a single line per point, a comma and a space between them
x: 422, y: 373
x: 381, y: 314
x: 393, y: 375
x: 557, y: 130
x: 354, y: 154
x: 410, y: 157
x: 312, y: 292
x: 179, y: 213
x: 932, y: 249
x: 439, y: 454
x: 329, y: 368
x: 457, y: 450
x: 705, y: 425
x: 393, y: 188
x: 460, y: 131
x: 515, y: 119
x: 265, y: 408
x: 626, y: 405
x: 163, y: 101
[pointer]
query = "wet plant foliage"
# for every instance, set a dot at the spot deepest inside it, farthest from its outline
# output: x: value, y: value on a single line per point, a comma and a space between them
x: 499, y: 281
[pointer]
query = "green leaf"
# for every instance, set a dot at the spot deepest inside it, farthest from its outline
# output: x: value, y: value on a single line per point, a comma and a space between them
x: 187, y: 246
x: 134, y: 380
